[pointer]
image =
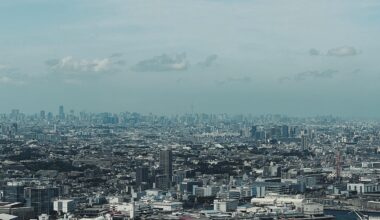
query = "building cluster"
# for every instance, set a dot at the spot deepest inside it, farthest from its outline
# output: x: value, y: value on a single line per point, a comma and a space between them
x: 193, y: 166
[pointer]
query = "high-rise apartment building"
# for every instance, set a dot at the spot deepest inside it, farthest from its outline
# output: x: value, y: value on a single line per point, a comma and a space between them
x: 41, y: 198
x: 142, y: 175
x: 61, y: 113
x: 166, y: 166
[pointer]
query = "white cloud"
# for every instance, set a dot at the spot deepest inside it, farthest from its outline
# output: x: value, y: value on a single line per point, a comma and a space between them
x: 162, y: 63
x: 312, y: 74
x: 10, y: 81
x: 243, y: 79
x: 70, y: 66
x: 10, y: 76
x: 342, y: 51
x: 326, y: 74
x: 5, y: 80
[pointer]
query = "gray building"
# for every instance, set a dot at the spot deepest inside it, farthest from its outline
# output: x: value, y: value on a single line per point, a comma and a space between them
x: 166, y: 166
x: 41, y: 198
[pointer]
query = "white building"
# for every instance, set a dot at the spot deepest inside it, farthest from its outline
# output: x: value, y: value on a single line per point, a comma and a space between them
x: 363, y: 188
x: 64, y: 206
x: 133, y: 209
x: 114, y: 199
x: 206, y: 191
x: 275, y: 199
x: 167, y: 206
x: 225, y: 205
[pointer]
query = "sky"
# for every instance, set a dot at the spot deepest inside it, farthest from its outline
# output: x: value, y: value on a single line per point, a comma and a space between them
x: 298, y: 58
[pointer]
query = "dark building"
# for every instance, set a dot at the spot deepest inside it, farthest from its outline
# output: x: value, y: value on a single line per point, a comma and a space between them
x: 142, y: 175
x: 253, y: 131
x: 261, y: 135
x: 188, y: 186
x: 304, y: 142
x: 61, y: 113
x: 179, y: 176
x: 42, y: 114
x: 275, y: 132
x: 166, y: 166
x: 285, y: 131
x: 13, y: 193
x: 162, y: 183
x: 50, y: 116
x: 41, y: 198
x: 293, y: 132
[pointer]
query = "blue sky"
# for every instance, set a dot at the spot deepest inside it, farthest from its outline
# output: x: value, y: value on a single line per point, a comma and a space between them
x: 289, y: 57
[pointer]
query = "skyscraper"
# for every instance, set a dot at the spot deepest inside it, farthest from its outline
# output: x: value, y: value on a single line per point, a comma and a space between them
x: 42, y: 114
x: 304, y: 142
x: 41, y: 198
x: 285, y: 131
x: 166, y: 165
x: 142, y: 175
x: 61, y: 113
x: 13, y: 192
x: 253, y: 131
x: 50, y: 116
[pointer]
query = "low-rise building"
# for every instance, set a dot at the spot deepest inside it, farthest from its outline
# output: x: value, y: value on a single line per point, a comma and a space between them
x: 225, y: 205
x: 64, y: 206
x: 364, y: 188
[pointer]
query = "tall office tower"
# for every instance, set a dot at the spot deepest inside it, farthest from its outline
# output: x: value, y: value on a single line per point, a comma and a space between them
x: 13, y: 192
x: 42, y: 115
x: 61, y: 113
x: 15, y: 114
x: 304, y: 142
x: 14, y: 128
x: 253, y: 131
x: 161, y: 182
x: 166, y: 165
x: 294, y: 131
x: 142, y: 175
x: 41, y: 198
x: 71, y: 115
x: 50, y: 116
x: 285, y: 131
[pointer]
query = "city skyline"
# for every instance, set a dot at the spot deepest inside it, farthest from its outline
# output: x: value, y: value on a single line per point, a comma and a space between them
x: 196, y: 110
x: 61, y: 114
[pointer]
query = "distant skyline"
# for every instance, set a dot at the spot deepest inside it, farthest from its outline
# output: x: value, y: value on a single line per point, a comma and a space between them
x: 56, y: 113
x: 297, y: 58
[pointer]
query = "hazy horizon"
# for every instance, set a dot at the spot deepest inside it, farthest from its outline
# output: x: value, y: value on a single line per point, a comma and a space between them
x: 298, y: 58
